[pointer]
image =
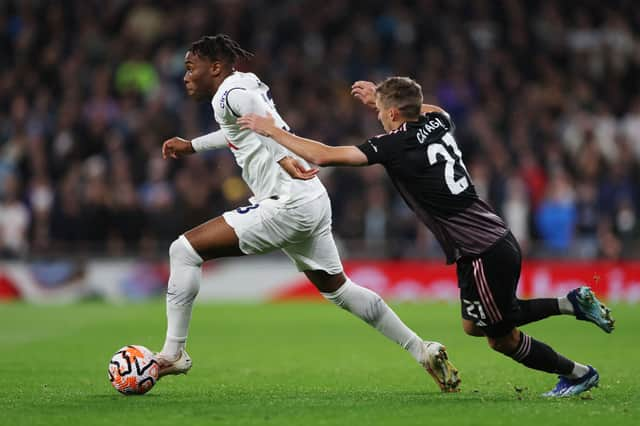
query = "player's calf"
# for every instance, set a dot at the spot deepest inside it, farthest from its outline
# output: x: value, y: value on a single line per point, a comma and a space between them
x: 506, y: 344
x: 369, y: 306
x: 184, y: 284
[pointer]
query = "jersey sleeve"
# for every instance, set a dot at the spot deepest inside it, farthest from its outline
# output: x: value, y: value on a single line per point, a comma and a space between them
x: 239, y: 101
x: 209, y: 141
x: 376, y: 150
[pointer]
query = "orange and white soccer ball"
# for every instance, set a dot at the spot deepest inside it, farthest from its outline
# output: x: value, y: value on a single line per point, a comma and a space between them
x: 133, y: 370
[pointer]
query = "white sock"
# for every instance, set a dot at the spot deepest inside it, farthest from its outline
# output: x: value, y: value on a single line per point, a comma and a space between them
x: 579, y: 370
x: 184, y: 284
x: 565, y: 306
x: 368, y: 306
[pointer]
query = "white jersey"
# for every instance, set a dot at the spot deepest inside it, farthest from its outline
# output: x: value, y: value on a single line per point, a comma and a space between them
x: 258, y: 156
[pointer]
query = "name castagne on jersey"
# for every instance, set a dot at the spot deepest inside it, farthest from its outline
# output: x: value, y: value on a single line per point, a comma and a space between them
x: 429, y: 127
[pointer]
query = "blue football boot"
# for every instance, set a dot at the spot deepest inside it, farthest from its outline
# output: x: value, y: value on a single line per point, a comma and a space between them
x: 587, y: 307
x: 570, y: 387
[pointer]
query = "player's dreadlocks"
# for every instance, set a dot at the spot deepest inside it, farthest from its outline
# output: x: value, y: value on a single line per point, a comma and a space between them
x: 220, y: 47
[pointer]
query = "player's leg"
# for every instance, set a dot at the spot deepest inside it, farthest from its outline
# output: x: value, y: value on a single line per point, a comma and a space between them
x: 366, y: 305
x: 490, y: 302
x: 521, y: 311
x: 214, y: 239
x: 210, y: 240
x: 471, y: 329
x: 372, y: 309
x: 531, y: 352
x: 317, y: 256
x: 580, y: 302
x: 532, y: 310
x: 574, y: 377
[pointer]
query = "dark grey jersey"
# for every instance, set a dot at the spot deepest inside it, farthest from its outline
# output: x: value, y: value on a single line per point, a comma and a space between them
x: 424, y: 163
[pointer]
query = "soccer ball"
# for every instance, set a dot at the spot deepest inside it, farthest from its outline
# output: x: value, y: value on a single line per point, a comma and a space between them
x: 133, y: 370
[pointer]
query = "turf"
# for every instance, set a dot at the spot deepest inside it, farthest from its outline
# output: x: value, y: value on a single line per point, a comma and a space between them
x: 299, y: 364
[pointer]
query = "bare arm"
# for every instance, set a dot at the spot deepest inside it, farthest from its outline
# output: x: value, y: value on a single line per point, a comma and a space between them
x: 312, y: 151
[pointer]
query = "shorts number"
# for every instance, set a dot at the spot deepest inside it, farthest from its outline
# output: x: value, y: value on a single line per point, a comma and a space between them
x: 474, y: 310
x: 437, y: 149
x: 243, y: 210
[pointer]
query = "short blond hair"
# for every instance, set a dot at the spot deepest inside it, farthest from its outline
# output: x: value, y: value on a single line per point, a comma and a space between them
x: 403, y: 93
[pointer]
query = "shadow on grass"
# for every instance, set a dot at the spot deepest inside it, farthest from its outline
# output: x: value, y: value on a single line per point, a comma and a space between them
x: 318, y: 397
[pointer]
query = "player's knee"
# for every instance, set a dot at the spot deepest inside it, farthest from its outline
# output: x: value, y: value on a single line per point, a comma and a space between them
x: 184, y: 282
x: 505, y: 344
x: 181, y: 251
x: 325, y: 282
x: 472, y: 330
x: 360, y: 301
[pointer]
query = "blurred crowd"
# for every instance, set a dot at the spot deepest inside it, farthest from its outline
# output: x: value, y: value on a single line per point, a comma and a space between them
x: 545, y: 96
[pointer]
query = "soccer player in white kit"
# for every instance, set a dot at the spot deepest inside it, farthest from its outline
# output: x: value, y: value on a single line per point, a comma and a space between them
x: 293, y: 215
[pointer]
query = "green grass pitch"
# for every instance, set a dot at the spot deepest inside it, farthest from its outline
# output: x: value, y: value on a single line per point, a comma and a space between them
x: 302, y: 364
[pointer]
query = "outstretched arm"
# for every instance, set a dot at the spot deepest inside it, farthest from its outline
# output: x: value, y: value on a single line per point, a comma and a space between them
x: 177, y: 147
x: 213, y: 140
x: 312, y: 151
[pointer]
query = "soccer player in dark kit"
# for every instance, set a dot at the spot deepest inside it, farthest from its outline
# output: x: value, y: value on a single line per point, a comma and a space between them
x: 420, y: 155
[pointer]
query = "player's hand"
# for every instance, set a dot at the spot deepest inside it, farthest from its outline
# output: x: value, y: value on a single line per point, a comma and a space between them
x: 259, y: 124
x: 176, y: 148
x: 296, y: 170
x: 365, y: 91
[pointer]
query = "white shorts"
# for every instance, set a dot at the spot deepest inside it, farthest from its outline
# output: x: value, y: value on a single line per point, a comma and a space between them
x: 302, y: 232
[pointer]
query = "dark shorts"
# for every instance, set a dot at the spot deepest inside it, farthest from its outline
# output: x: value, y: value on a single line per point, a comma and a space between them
x: 488, y: 287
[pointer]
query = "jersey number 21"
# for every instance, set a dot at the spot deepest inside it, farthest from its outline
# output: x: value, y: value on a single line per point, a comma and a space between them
x: 439, y: 149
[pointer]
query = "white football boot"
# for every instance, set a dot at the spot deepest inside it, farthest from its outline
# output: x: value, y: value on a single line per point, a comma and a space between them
x: 436, y: 362
x: 179, y: 366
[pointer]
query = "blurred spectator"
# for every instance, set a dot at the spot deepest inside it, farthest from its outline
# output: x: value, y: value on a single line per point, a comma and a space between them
x: 587, y: 220
x: 14, y: 220
x: 556, y: 216
x: 516, y: 211
x: 544, y: 95
x: 630, y: 126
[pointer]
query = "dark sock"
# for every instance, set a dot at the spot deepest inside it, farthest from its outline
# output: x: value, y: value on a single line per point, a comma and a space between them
x: 535, y: 309
x: 540, y: 356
